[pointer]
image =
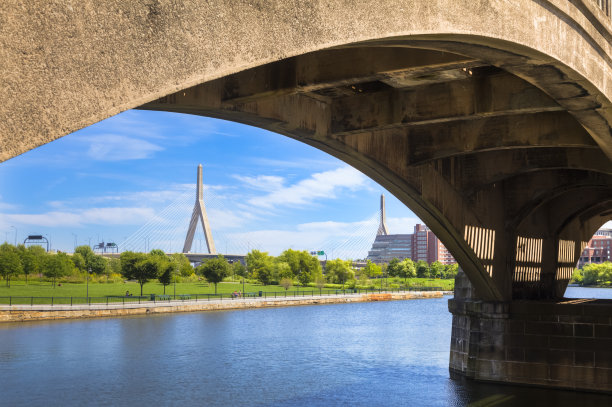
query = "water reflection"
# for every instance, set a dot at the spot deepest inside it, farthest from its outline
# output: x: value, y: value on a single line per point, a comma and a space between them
x: 386, y: 353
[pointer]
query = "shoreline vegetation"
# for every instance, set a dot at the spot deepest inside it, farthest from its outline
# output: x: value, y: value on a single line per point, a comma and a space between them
x: 32, y: 272
x: 593, y: 275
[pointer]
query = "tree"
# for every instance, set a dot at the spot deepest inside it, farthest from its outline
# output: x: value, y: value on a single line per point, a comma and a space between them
x: 292, y: 259
x: 86, y: 252
x: 304, y: 277
x: 577, y: 276
x: 157, y: 252
x: 260, y: 264
x: 407, y: 270
x: 214, y: 270
x: 450, y: 270
x: 114, y: 265
x: 301, y: 262
x: 167, y: 274
x: 10, y: 264
x: 372, y: 269
x: 590, y: 274
x: 145, y: 270
x: 422, y: 269
x: 97, y: 264
x: 281, y: 270
x: 32, y: 259
x: 286, y: 283
x: 395, y: 267
x: 183, y: 265
x: 339, y: 270
x: 436, y: 269
x: 320, y: 282
x: 128, y: 263
x: 94, y: 263
x: 57, y: 266
x: 239, y: 269
x: 79, y: 261
x: 139, y: 267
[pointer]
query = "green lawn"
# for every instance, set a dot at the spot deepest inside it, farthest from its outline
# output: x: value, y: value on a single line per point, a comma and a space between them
x: 37, y: 288
x: 42, y: 289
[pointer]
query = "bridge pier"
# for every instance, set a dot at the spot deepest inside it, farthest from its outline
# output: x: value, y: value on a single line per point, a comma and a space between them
x: 564, y: 343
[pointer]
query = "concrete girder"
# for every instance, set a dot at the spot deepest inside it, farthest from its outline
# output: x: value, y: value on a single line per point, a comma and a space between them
x: 488, y: 92
x: 202, y: 57
x: 568, y: 88
x: 340, y: 67
x: 426, y: 141
x: 449, y: 147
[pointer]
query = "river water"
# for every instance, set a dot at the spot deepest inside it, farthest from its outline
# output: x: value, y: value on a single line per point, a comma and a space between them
x: 363, y: 354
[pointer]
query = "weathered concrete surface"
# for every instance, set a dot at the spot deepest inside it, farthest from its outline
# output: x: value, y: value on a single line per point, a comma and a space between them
x: 20, y: 313
x: 66, y: 65
x: 565, y: 344
x: 489, y: 119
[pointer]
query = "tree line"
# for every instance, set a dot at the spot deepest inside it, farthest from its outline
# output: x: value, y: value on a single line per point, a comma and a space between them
x: 594, y: 274
x: 289, y: 268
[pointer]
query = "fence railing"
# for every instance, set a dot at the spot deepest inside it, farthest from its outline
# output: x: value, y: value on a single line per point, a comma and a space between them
x: 157, y: 298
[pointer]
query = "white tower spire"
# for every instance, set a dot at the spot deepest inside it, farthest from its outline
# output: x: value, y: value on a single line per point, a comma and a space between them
x: 199, y: 213
x: 382, y: 228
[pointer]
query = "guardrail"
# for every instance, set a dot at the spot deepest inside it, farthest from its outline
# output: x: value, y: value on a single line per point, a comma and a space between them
x: 156, y: 298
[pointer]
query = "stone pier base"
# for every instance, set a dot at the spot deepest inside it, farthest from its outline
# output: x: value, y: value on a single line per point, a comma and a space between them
x: 564, y: 344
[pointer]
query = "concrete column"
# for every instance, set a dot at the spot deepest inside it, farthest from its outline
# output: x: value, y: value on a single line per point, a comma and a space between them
x: 564, y: 344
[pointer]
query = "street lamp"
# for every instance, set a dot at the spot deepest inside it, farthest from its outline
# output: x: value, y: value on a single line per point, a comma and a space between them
x: 15, y: 234
x: 88, y: 272
x: 174, y: 278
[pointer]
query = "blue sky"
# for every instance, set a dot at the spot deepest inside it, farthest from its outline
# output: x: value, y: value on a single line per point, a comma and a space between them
x: 263, y: 190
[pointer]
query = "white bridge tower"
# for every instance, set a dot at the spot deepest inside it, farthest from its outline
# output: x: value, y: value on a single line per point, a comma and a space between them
x: 199, y: 213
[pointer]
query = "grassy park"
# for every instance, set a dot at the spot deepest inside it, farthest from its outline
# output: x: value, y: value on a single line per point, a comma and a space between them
x: 33, y: 273
x: 37, y: 288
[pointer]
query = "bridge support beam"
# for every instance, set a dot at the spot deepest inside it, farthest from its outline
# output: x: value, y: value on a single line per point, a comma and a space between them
x: 564, y: 344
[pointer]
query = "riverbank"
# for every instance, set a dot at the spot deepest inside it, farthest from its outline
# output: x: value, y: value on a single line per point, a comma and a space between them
x: 21, y: 313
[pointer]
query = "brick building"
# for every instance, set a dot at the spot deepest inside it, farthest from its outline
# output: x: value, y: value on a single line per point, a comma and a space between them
x: 420, y: 245
x: 598, y: 250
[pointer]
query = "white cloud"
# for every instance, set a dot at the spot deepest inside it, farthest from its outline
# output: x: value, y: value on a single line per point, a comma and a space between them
x: 322, y: 185
x: 221, y: 219
x: 114, y: 147
x: 93, y: 216
x: 338, y: 239
x: 6, y: 206
x: 267, y: 183
x: 401, y: 226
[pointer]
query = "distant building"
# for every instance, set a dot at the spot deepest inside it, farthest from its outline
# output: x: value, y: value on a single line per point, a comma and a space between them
x: 420, y: 245
x: 604, y: 232
x: 598, y: 250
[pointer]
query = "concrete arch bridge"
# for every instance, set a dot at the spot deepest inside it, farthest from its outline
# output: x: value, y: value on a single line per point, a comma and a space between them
x: 490, y: 119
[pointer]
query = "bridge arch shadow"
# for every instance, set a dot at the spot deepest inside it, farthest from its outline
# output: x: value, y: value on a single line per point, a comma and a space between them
x: 479, y: 138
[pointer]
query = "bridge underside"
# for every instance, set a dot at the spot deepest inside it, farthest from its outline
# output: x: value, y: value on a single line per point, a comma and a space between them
x: 491, y: 120
x: 505, y: 174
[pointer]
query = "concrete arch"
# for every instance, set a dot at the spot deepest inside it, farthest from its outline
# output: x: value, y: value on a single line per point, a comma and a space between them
x: 66, y: 66
x: 376, y: 89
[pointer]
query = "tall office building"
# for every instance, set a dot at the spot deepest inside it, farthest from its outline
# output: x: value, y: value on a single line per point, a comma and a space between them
x: 420, y: 245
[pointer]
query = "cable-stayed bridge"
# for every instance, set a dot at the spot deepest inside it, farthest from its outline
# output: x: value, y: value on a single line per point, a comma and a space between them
x: 169, y: 231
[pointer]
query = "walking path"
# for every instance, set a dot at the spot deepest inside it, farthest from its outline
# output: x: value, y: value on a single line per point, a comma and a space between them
x: 17, y: 313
